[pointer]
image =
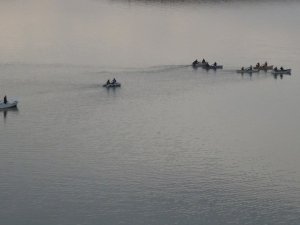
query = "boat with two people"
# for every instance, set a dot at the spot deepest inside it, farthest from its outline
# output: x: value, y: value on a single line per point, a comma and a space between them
x: 250, y: 69
x: 112, y: 84
x: 281, y: 71
x: 197, y: 63
x: 264, y: 66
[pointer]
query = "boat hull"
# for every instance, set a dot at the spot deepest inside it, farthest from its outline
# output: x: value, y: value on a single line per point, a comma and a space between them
x: 213, y: 67
x: 8, y: 105
x: 247, y: 71
x: 288, y: 71
x: 199, y: 64
x: 112, y: 85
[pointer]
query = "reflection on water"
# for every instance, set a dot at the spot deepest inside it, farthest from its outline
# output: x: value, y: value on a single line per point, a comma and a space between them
x: 13, y: 110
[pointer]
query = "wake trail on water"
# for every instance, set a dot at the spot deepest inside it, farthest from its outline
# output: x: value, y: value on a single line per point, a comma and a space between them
x: 152, y: 69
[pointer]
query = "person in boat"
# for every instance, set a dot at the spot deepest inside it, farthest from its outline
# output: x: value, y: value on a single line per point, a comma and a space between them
x: 250, y: 68
x: 242, y: 68
x: 215, y: 64
x: 203, y: 61
x: 195, y: 62
x: 114, y: 81
x: 258, y: 65
x: 275, y: 69
x: 108, y: 82
x: 266, y: 64
x: 281, y: 68
x: 5, y: 99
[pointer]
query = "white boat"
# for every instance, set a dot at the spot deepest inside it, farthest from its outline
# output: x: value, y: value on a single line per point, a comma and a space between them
x: 9, y: 104
x: 112, y: 85
x: 287, y: 71
x: 247, y: 71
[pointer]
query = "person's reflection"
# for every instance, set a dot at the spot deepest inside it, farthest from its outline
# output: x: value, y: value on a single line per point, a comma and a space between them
x: 275, y: 76
x: 5, y: 114
x: 281, y: 76
x: 11, y: 110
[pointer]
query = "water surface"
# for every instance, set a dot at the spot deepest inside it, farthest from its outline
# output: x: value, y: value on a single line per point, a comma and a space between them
x: 173, y: 145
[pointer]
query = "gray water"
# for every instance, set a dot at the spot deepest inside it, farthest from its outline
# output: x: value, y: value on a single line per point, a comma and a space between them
x: 173, y: 145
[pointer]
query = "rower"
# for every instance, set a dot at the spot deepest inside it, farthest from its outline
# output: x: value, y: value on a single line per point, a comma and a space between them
x: 195, y: 62
x: 250, y: 68
x: 281, y: 68
x: 275, y: 69
x: 266, y: 64
x: 242, y: 68
x: 114, y: 81
x: 203, y: 61
x: 258, y: 65
x: 215, y: 64
x: 5, y: 99
x: 108, y: 82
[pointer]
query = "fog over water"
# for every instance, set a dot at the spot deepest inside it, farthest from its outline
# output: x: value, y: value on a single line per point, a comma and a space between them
x: 173, y: 145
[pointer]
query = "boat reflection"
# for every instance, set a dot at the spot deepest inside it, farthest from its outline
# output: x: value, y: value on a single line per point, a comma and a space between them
x: 13, y: 110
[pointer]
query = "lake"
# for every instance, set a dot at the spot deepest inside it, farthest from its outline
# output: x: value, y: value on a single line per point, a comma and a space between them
x: 173, y: 144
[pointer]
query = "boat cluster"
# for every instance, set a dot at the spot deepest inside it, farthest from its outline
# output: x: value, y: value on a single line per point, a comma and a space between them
x: 111, y: 84
x: 265, y: 67
x: 258, y: 67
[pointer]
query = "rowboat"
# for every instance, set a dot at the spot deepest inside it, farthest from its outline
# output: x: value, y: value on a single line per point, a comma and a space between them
x: 8, y: 104
x: 112, y: 85
x: 264, y: 67
x: 247, y: 71
x: 287, y: 71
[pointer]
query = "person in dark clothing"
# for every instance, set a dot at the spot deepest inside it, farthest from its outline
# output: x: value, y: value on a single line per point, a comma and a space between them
x: 203, y: 61
x: 195, y: 62
x: 5, y: 99
x: 281, y: 68
x: 114, y: 81
x: 108, y: 82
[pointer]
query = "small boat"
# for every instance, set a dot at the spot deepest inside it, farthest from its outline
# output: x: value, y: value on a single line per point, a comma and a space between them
x: 263, y: 67
x: 112, y: 85
x: 9, y: 104
x: 248, y: 71
x: 287, y: 71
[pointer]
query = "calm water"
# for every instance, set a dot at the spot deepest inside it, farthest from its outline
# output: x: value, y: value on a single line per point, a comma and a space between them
x: 173, y: 145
